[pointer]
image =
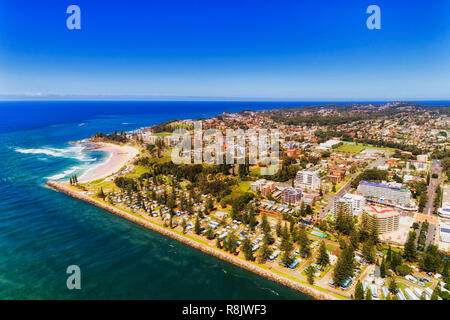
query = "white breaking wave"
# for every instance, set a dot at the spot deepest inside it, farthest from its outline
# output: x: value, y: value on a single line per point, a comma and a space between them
x: 63, y: 174
x: 73, y: 152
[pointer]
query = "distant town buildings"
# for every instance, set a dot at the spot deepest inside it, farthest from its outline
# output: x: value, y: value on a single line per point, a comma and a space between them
x: 391, y: 192
x: 308, y: 179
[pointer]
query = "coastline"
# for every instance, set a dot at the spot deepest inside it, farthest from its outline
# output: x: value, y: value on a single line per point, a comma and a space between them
x: 316, y: 294
x: 118, y: 156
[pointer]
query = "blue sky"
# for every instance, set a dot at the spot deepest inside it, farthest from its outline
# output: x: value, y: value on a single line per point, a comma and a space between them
x: 250, y: 49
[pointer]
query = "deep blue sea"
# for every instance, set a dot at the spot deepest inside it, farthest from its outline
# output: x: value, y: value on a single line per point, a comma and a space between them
x: 42, y: 232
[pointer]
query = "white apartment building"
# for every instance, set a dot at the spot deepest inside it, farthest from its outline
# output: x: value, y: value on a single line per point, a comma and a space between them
x: 308, y: 179
x: 356, y: 201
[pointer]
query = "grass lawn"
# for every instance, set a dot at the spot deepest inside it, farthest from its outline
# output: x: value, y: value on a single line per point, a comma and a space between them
x: 243, y: 186
x: 136, y: 172
x: 162, y: 134
x: 352, y: 148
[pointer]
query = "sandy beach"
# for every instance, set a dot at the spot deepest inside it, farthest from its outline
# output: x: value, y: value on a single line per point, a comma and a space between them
x: 118, y: 156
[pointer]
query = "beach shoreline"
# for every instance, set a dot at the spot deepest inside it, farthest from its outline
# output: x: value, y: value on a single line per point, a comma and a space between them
x: 222, y: 255
x: 118, y: 156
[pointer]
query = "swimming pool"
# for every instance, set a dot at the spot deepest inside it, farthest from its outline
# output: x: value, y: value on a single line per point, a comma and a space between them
x: 319, y: 234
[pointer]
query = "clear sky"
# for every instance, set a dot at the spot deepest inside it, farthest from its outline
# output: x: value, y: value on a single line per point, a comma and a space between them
x: 213, y: 48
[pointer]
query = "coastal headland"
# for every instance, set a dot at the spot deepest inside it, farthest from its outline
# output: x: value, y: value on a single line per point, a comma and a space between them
x: 220, y: 254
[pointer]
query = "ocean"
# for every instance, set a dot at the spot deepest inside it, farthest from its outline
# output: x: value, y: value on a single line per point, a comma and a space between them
x: 42, y: 232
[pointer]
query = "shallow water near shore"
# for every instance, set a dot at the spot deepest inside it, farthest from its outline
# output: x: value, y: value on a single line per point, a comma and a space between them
x: 42, y: 232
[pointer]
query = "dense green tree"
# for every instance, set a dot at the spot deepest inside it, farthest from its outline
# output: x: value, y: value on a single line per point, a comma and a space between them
x: 303, y: 241
x: 431, y: 259
x: 410, y: 251
x: 310, y: 274
x: 383, y: 268
x: 197, y: 226
x: 436, y: 293
x: 247, y: 249
x: 392, y: 286
x: 368, y: 251
x: 344, y: 266
x: 359, y: 291
x: 323, y: 259
x: 368, y: 294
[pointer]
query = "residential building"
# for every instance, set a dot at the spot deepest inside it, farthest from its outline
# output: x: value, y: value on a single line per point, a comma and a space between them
x: 385, y: 220
x: 418, y: 165
x: 256, y: 186
x: 308, y: 179
x: 291, y: 195
x: 267, y: 188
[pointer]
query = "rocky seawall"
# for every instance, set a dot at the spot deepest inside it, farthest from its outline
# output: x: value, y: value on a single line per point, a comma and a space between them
x: 316, y: 294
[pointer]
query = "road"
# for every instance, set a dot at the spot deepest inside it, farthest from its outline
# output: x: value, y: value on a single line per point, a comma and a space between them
x: 325, y: 210
x: 431, y: 191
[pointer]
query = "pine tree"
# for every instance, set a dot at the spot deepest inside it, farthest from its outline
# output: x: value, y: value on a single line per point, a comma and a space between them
x: 310, y: 274
x: 392, y: 286
x: 410, y: 251
x: 323, y: 259
x: 435, y: 295
x: 265, y: 251
x: 197, y: 225
x: 445, y: 272
x: 389, y: 255
x: 383, y: 269
x: 368, y: 251
x: 368, y: 294
x: 278, y: 228
x: 303, y: 241
x: 218, y: 243
x: 247, y: 249
x: 359, y: 291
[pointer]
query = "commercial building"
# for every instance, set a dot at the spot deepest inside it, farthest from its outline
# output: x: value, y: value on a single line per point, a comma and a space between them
x: 385, y: 220
x: 444, y: 233
x: 328, y: 144
x: 308, y: 179
x: 390, y: 192
x: 444, y: 211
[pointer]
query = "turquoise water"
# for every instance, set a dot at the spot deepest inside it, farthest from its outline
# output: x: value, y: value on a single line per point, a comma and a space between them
x: 319, y: 234
x: 43, y: 232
